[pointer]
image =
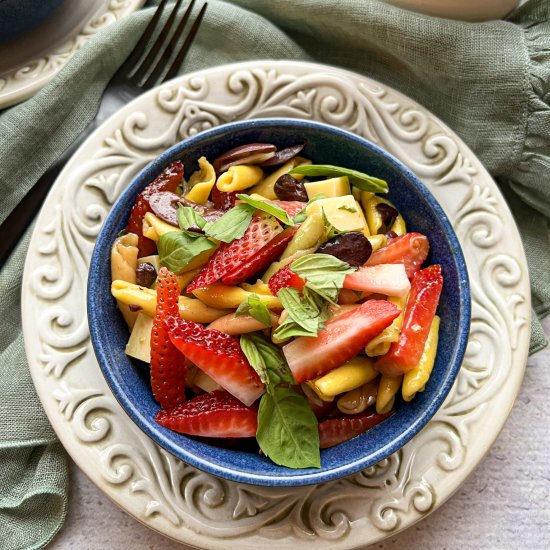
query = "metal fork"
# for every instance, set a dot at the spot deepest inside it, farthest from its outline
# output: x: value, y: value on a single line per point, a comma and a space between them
x: 139, y: 72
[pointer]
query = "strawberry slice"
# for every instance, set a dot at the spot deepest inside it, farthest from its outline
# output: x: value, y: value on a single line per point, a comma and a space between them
x: 260, y: 261
x: 405, y: 354
x: 217, y: 354
x: 168, y: 366
x: 343, y: 338
x: 334, y: 431
x: 290, y: 207
x: 410, y: 249
x: 283, y: 278
x: 216, y: 414
x: 388, y: 279
x: 236, y: 254
x: 167, y: 180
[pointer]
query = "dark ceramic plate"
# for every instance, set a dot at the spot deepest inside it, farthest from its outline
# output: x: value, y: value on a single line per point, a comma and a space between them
x: 129, y: 381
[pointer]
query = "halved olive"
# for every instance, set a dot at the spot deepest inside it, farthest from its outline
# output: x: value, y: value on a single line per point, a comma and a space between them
x: 353, y: 248
x: 252, y: 153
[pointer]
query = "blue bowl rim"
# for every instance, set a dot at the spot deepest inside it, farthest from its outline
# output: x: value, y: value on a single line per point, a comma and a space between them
x: 146, y: 175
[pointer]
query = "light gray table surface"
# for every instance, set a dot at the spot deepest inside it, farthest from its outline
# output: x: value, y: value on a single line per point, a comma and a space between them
x: 505, y: 504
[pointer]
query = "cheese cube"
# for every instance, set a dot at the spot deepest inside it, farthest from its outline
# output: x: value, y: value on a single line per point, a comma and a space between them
x: 344, y: 213
x: 333, y: 187
x: 139, y: 344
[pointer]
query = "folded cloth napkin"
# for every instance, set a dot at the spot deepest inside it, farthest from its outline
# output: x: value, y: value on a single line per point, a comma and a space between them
x: 490, y: 82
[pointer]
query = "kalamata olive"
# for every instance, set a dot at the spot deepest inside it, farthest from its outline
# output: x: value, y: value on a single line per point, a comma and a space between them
x: 388, y: 213
x: 252, y: 153
x: 145, y: 274
x: 289, y: 189
x: 283, y: 155
x: 165, y: 206
x: 390, y: 234
x: 353, y: 248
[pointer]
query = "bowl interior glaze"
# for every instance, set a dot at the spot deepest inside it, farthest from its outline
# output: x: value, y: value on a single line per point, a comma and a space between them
x: 129, y: 380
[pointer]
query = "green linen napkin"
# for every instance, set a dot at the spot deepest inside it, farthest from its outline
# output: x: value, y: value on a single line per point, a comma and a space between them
x: 490, y: 82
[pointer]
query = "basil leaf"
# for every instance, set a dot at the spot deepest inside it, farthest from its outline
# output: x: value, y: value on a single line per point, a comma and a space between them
x: 232, y: 225
x: 302, y: 312
x: 188, y: 217
x: 288, y: 432
x: 301, y: 216
x: 359, y: 179
x: 254, y: 307
x: 270, y: 208
x: 177, y: 248
x: 323, y: 273
x: 266, y: 359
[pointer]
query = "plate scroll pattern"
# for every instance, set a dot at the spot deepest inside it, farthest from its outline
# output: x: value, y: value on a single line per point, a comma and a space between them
x: 198, y: 508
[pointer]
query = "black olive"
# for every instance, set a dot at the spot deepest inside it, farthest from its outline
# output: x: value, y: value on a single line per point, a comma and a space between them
x: 353, y: 248
x: 289, y: 189
x: 390, y: 235
x: 389, y: 214
x: 145, y: 274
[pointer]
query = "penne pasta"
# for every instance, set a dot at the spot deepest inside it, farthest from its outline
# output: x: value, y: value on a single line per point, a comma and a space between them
x: 360, y: 399
x: 145, y: 300
x: 201, y: 182
x: 124, y: 261
x: 380, y: 344
x: 349, y: 376
x: 415, y: 380
x: 387, y: 389
x: 374, y: 218
x: 240, y: 324
x: 238, y: 178
x: 259, y: 287
x: 230, y: 297
x: 154, y: 227
x: 377, y: 241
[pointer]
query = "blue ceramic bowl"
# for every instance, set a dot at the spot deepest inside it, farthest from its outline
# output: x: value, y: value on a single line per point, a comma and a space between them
x: 20, y: 16
x: 328, y: 145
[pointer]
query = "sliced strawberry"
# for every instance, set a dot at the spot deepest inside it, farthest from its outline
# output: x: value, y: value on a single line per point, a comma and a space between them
x: 167, y: 180
x: 405, y: 354
x: 283, y: 278
x: 217, y: 354
x: 290, y: 207
x: 343, y: 338
x: 388, y: 279
x: 168, y: 366
x: 234, y: 255
x: 260, y: 261
x: 216, y: 414
x: 410, y: 249
x: 337, y: 430
x: 222, y: 200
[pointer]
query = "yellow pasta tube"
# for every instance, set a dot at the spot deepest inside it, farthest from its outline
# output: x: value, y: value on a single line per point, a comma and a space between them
x: 146, y: 300
x: 266, y: 186
x: 154, y: 227
x: 185, y: 278
x: 385, y: 398
x: 374, y: 218
x: 241, y: 324
x: 124, y: 261
x: 351, y: 375
x: 380, y: 344
x: 377, y: 241
x: 239, y: 177
x: 259, y: 287
x: 415, y: 380
x: 202, y: 182
x: 221, y: 296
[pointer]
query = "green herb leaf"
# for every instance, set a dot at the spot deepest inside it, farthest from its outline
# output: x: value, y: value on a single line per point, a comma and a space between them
x: 301, y: 216
x: 288, y: 432
x: 323, y: 273
x: 347, y: 208
x: 254, y: 307
x: 266, y: 359
x: 264, y: 206
x: 188, y: 217
x: 232, y: 225
x: 359, y: 179
x: 178, y: 248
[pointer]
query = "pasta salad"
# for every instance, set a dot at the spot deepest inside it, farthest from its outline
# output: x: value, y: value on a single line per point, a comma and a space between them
x: 275, y: 299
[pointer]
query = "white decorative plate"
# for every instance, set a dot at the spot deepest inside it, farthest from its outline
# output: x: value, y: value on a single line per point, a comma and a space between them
x: 199, y: 509
x: 29, y: 62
